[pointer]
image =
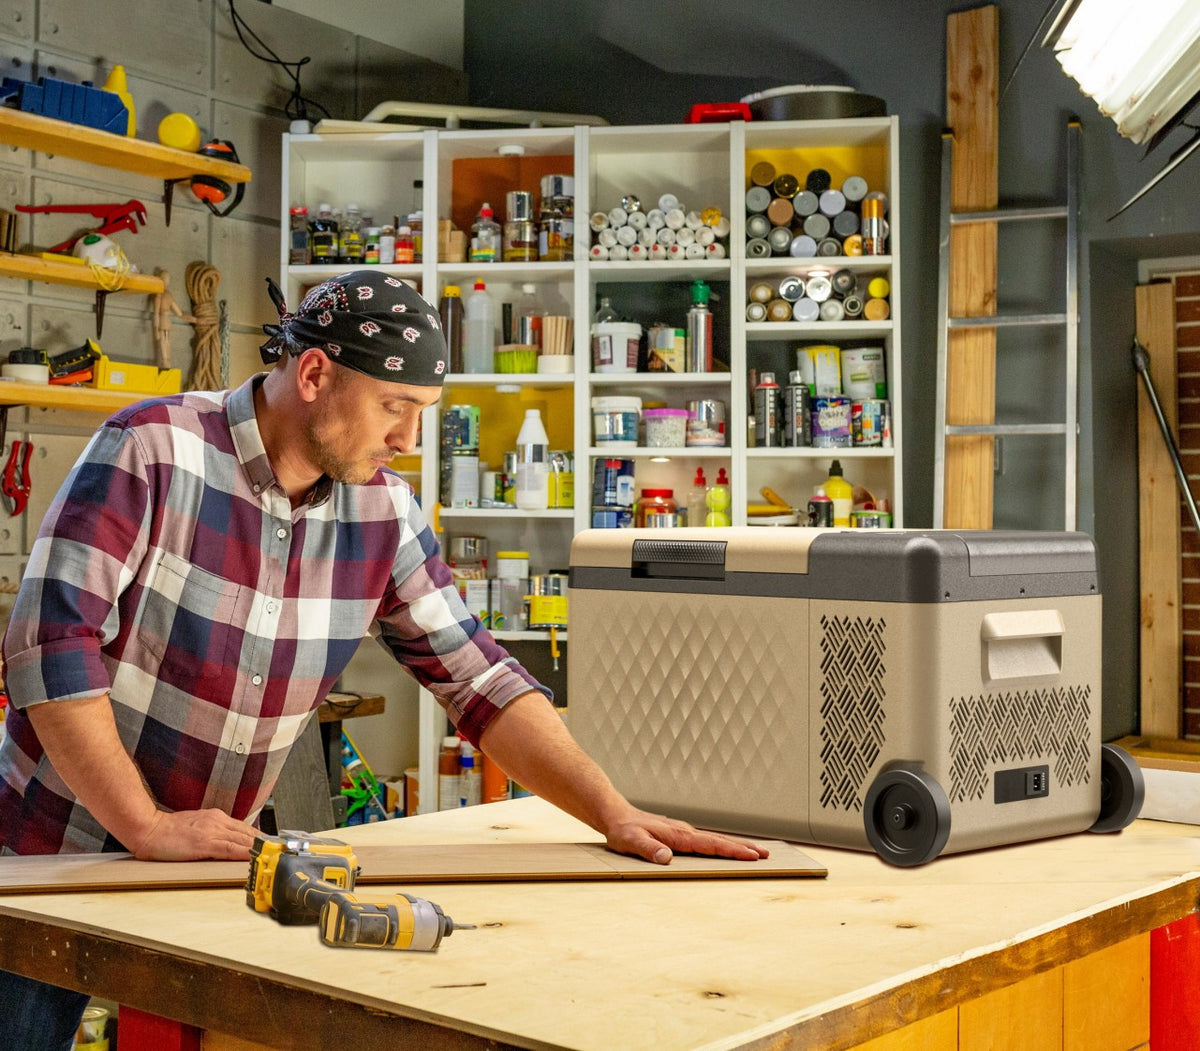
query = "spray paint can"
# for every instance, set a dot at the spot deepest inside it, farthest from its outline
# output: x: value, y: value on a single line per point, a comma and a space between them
x: 699, y: 348
x: 766, y: 412
x: 797, y: 418
x: 820, y: 508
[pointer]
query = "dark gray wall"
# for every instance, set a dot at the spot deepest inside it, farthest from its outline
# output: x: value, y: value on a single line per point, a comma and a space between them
x: 647, y: 61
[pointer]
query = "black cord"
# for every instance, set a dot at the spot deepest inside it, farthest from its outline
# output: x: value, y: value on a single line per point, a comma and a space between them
x: 297, y: 104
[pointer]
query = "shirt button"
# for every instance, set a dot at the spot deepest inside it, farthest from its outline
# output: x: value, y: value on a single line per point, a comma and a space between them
x: 270, y: 607
x: 257, y: 488
x: 257, y: 680
x: 240, y: 749
x: 281, y: 533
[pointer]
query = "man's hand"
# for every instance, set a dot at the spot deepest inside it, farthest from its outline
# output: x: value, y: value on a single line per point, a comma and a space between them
x: 193, y: 835
x: 656, y: 838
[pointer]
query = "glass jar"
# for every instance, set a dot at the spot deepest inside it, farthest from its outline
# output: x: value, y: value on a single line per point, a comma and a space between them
x: 653, y: 502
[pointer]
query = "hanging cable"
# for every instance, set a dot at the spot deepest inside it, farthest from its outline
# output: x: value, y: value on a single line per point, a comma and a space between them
x: 297, y: 105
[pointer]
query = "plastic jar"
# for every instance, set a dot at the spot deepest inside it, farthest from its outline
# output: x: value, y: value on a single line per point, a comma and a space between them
x: 615, y: 421
x: 706, y: 422
x: 666, y: 428
x: 512, y: 565
x: 653, y: 502
x: 615, y: 346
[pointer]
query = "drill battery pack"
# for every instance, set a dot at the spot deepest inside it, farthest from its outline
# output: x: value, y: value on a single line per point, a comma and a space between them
x: 275, y: 860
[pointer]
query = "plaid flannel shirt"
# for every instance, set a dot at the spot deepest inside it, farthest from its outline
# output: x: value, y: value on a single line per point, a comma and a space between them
x: 172, y: 572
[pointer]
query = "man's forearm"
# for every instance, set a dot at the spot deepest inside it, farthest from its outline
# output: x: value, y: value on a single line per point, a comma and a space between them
x: 81, y: 739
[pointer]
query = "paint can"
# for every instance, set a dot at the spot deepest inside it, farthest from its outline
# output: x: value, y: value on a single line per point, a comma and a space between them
x: 797, y: 412
x: 831, y: 423
x: 866, y: 421
x: 864, y: 372
x: 90, y: 1036
x: 548, y: 600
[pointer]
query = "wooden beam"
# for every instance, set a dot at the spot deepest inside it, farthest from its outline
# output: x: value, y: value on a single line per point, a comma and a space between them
x: 1158, y: 522
x: 972, y: 78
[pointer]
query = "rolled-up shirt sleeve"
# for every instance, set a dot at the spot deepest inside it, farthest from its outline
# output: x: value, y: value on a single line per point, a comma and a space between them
x: 90, y: 540
x: 423, y: 621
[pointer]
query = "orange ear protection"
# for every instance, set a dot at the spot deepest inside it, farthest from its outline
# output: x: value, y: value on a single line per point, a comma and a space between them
x: 211, y: 190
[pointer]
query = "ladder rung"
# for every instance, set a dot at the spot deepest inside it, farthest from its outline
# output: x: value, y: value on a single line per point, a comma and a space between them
x: 1010, y: 214
x: 1005, y: 428
x: 1006, y: 320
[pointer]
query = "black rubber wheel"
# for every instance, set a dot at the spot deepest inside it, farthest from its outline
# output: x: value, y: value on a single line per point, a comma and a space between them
x: 1122, y: 789
x: 906, y: 816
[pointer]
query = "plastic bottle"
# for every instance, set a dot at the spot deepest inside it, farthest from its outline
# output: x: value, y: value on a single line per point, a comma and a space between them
x: 387, y: 244
x: 533, y: 463
x: 485, y: 237
x: 470, y: 790
x: 350, y: 239
x: 405, y: 253
x: 698, y: 348
x: 117, y: 83
x: 416, y: 225
x: 697, y: 506
x: 324, y: 235
x: 448, y: 774
x: 820, y: 508
x: 717, y: 500
x: 479, y: 330
x: 529, y: 317
x: 450, y: 308
x: 841, y: 493
x: 604, y: 312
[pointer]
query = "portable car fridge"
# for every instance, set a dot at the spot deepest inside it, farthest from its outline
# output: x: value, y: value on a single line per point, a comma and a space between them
x: 911, y: 692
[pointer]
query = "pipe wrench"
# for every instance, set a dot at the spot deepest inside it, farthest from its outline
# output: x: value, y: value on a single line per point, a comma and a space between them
x: 14, y: 490
x: 127, y: 216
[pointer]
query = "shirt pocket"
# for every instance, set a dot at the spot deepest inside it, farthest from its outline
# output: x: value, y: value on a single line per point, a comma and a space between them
x: 190, y: 623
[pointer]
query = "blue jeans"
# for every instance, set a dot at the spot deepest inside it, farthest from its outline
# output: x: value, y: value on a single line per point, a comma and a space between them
x: 35, y: 1016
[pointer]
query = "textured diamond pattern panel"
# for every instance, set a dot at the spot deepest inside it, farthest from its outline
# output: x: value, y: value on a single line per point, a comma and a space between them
x: 852, y: 711
x: 1016, y: 727
x: 682, y: 699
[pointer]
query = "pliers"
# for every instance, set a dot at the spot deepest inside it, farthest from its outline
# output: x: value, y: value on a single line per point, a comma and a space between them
x: 14, y: 490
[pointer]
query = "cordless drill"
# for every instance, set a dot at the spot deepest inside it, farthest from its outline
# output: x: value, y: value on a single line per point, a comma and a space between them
x: 299, y: 878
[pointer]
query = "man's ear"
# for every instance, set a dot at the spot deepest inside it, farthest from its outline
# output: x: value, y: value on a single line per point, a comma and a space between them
x: 314, y: 373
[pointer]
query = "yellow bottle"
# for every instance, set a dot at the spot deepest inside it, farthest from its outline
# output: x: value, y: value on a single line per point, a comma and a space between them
x: 841, y: 493
x: 116, y: 84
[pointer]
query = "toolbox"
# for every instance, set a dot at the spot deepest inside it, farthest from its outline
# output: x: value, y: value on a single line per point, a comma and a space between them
x: 134, y: 378
x: 907, y: 692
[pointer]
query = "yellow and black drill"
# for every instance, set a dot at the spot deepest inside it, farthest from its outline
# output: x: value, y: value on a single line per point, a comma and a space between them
x: 299, y: 878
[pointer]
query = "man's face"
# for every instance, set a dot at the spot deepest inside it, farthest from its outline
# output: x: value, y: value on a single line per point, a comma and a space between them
x: 361, y: 423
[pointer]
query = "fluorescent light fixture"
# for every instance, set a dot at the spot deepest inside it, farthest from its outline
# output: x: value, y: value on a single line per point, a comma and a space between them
x: 1140, y: 62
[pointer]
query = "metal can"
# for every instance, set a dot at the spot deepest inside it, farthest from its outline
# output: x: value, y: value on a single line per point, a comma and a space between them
x: 870, y: 520
x: 706, y: 422
x: 797, y: 412
x: 866, y: 421
x: 831, y: 423
x: 556, y: 239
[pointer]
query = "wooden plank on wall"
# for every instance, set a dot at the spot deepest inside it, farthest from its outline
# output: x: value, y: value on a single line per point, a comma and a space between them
x: 1158, y: 521
x: 972, y: 76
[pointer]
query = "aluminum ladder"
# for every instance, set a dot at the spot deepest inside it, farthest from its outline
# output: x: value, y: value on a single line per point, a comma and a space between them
x: 1068, y: 319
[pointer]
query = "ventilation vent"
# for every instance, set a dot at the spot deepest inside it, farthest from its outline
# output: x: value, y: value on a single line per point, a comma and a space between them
x: 1016, y: 727
x: 852, y: 692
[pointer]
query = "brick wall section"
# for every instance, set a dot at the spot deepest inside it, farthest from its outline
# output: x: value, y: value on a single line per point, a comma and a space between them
x: 1187, y: 340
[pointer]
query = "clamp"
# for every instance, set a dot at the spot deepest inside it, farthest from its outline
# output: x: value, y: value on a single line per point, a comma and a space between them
x: 127, y: 216
x: 14, y: 490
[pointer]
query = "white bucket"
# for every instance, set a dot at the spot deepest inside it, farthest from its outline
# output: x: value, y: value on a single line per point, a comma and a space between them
x: 615, y: 346
x: 615, y: 421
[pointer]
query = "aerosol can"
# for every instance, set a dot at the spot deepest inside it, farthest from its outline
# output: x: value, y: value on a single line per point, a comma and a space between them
x: 699, y: 347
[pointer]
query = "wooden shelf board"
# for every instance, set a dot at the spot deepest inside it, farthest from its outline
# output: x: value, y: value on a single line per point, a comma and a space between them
x: 45, y: 396
x: 79, y: 142
x: 35, y: 268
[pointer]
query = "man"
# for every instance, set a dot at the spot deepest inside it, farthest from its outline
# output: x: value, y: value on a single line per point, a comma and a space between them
x: 203, y: 577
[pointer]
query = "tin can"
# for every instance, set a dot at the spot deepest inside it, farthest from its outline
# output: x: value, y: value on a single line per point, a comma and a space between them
x: 520, y: 241
x: 870, y: 520
x: 874, y: 227
x: 831, y: 423
x: 612, y: 518
x: 556, y: 239
x: 612, y: 483
x: 557, y: 186
x: 866, y: 421
x: 548, y: 600
x: 706, y: 422
x: 797, y: 412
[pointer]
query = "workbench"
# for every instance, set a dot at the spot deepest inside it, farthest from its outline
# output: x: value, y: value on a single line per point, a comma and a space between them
x: 1049, y: 939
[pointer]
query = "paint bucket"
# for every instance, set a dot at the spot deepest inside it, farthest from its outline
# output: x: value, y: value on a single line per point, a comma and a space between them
x: 548, y: 600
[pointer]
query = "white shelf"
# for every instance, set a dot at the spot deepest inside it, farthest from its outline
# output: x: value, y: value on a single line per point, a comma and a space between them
x: 527, y: 636
x: 642, y: 452
x: 765, y: 330
x: 779, y: 263
x: 687, y: 270
x: 659, y: 379
x: 511, y: 513
x: 869, y: 452
x: 506, y: 272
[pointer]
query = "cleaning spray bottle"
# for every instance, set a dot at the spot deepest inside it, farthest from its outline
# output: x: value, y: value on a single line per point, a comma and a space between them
x: 841, y: 493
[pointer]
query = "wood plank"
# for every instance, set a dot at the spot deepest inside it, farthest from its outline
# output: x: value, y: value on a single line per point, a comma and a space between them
x: 47, y: 135
x: 1026, y: 1014
x: 718, y: 964
x: 339, y: 706
x: 1161, y: 702
x: 972, y: 78
x: 417, y: 863
x: 80, y: 399
x: 54, y: 272
x: 1106, y: 997
x: 938, y: 1033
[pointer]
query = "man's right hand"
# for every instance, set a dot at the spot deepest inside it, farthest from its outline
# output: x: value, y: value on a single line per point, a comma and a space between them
x: 193, y: 835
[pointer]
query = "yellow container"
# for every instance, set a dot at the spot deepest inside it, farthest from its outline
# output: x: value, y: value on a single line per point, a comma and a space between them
x: 133, y: 378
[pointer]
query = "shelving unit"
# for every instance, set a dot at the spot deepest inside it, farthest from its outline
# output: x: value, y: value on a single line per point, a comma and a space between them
x: 703, y: 164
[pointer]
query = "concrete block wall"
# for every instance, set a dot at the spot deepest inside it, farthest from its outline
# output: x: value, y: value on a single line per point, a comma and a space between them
x: 179, y: 56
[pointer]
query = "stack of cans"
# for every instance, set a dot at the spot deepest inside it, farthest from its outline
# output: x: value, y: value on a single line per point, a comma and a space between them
x: 671, y: 231
x: 612, y: 493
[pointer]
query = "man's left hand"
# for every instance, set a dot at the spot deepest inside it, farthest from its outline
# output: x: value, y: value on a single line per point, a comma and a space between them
x: 657, y: 838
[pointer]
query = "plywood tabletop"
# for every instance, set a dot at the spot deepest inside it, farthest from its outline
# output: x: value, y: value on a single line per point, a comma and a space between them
x: 696, y: 965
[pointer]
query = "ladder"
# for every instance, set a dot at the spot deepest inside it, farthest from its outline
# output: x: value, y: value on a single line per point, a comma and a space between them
x: 1068, y: 320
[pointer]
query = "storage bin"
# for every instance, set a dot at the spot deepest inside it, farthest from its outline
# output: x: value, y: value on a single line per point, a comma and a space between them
x: 666, y: 428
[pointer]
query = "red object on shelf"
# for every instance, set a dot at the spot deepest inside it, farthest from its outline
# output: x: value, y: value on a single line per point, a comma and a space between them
x: 713, y: 112
x: 1174, y: 969
x: 142, y: 1031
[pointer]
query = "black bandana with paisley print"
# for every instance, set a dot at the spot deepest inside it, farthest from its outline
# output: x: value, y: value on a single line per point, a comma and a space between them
x: 368, y: 321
